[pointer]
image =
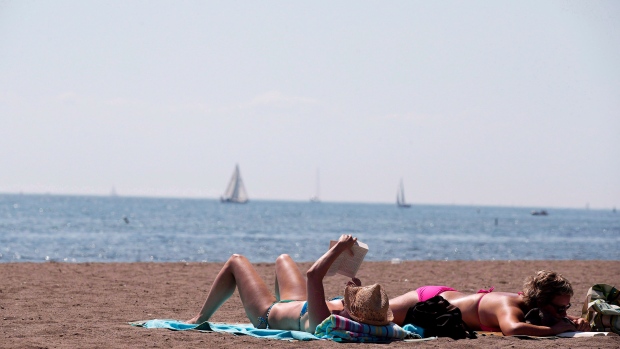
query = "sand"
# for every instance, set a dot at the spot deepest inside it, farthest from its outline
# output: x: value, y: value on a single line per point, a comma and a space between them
x: 59, y: 305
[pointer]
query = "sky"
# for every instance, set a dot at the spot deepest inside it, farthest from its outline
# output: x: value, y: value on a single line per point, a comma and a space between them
x: 512, y: 103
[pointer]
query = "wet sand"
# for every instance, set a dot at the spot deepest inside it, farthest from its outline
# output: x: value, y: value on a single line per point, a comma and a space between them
x: 58, y: 305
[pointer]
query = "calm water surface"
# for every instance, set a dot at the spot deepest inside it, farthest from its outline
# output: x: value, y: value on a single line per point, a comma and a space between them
x: 37, y: 228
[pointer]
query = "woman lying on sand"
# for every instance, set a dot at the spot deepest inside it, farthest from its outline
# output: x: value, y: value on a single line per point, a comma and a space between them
x: 547, y: 291
x: 298, y: 304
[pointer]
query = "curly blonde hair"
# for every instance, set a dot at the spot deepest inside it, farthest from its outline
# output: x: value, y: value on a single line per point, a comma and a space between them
x: 542, y: 287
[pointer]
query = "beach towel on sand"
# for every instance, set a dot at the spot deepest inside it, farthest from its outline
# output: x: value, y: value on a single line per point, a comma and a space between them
x: 334, y: 330
x: 341, y: 329
x: 236, y: 329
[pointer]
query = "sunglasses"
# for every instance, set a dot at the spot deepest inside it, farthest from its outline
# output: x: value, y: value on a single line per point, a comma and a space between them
x: 560, y: 308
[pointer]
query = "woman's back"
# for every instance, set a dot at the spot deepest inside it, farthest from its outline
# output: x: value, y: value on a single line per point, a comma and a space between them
x: 480, y: 310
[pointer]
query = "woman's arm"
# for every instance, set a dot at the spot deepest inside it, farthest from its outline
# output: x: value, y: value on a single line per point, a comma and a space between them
x: 580, y: 323
x: 511, y: 321
x: 317, y: 308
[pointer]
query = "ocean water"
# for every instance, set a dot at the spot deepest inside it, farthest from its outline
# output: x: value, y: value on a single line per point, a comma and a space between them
x: 38, y: 228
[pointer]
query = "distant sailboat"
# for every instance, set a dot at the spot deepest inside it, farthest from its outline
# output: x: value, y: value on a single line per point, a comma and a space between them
x: 316, y: 197
x: 400, y: 196
x: 235, y: 192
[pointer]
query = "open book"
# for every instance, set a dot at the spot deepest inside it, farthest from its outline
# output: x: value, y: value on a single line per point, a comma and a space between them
x: 346, y: 264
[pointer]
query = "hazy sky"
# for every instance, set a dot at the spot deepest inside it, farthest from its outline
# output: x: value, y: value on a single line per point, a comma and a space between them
x: 469, y: 102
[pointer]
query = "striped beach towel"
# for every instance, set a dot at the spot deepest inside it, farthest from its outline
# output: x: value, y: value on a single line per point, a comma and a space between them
x: 341, y: 329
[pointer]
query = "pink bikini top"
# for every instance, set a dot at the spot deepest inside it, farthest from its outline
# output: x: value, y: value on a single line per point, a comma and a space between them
x: 483, y: 327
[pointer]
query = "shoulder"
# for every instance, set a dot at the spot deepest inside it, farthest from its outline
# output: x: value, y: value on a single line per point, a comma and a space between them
x: 506, y: 298
x: 510, y: 304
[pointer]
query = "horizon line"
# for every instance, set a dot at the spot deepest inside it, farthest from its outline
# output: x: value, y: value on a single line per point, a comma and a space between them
x: 147, y: 196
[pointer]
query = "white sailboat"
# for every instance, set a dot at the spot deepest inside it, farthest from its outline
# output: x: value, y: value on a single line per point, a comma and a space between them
x: 316, y: 197
x: 235, y: 192
x: 400, y: 196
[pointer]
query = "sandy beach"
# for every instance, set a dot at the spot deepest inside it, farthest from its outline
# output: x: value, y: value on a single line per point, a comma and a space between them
x: 89, y: 305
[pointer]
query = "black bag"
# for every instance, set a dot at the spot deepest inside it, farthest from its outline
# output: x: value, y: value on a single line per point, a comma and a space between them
x: 438, y: 318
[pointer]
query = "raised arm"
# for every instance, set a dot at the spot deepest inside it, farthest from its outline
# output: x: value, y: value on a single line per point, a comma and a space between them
x: 317, y: 308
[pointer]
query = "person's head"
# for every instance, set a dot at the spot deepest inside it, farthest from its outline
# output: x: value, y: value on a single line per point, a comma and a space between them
x: 368, y: 304
x: 549, y: 291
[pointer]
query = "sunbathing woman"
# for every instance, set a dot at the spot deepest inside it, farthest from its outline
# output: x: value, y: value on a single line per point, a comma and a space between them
x: 297, y: 304
x: 548, y: 291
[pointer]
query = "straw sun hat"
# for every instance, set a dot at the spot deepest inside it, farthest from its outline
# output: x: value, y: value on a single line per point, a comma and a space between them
x: 368, y: 304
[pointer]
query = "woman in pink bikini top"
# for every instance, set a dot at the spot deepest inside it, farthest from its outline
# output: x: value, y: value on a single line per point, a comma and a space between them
x: 504, y: 312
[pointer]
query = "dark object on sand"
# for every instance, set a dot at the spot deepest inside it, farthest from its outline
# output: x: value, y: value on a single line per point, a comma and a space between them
x: 438, y: 318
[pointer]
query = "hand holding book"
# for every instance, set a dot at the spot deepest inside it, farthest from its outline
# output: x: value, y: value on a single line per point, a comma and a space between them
x: 347, y: 264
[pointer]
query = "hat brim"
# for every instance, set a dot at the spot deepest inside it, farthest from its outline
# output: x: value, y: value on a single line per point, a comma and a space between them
x: 389, y: 318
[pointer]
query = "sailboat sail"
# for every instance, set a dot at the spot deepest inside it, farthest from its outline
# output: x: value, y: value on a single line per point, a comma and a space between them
x: 235, y: 192
x: 400, y: 196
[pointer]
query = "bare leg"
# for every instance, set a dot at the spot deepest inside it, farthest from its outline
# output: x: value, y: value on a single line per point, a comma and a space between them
x: 239, y: 273
x: 401, y: 304
x: 290, y: 283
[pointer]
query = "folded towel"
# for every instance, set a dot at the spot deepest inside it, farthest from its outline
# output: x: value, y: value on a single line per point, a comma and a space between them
x: 340, y: 329
x: 237, y: 329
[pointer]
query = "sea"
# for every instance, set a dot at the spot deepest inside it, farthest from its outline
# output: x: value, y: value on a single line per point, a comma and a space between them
x: 79, y: 229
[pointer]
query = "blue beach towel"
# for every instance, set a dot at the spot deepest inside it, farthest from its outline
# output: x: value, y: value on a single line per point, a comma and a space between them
x: 236, y: 329
x: 250, y: 330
